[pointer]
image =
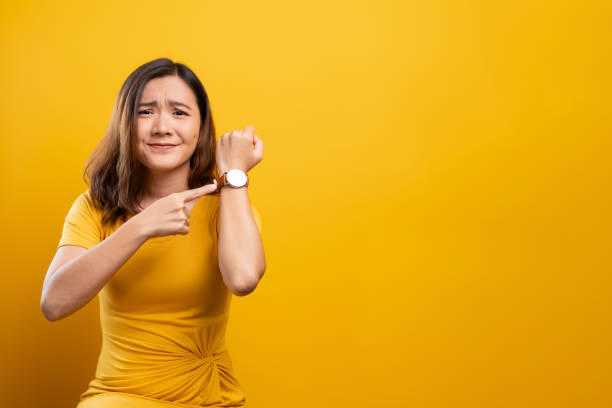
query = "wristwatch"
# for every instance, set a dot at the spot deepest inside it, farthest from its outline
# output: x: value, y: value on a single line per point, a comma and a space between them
x: 234, y: 178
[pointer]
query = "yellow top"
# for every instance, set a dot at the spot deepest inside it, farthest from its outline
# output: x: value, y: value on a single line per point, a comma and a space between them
x: 163, y: 316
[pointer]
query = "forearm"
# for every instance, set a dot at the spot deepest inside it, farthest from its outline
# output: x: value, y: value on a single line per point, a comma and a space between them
x: 75, y: 283
x: 241, y: 255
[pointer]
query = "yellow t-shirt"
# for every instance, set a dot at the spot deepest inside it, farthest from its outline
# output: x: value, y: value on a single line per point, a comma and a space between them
x: 163, y: 316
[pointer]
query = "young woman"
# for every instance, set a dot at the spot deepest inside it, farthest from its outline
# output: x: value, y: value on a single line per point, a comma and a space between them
x: 165, y: 234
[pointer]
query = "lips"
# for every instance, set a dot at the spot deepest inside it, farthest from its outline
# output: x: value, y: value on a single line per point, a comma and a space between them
x: 161, y: 146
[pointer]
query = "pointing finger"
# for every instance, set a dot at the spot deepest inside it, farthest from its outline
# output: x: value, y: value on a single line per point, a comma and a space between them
x: 199, y: 192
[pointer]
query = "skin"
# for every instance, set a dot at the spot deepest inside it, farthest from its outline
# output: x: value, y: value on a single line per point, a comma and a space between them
x: 77, y: 274
x: 172, y: 116
x: 167, y: 171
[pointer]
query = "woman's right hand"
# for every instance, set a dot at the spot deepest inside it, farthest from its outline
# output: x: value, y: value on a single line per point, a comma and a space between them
x: 170, y: 215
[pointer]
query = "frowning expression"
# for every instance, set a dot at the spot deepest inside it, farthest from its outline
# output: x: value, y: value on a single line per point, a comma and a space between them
x: 168, y: 124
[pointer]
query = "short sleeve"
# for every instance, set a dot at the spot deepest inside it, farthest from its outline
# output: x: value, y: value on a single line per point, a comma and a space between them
x: 82, y: 224
x: 254, y: 211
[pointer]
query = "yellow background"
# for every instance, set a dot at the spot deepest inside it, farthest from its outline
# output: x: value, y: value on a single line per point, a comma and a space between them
x: 435, y: 192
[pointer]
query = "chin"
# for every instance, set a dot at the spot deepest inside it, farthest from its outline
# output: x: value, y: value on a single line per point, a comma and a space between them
x: 163, y: 165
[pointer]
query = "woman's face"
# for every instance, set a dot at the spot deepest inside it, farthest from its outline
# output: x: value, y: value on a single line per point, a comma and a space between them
x: 168, y: 114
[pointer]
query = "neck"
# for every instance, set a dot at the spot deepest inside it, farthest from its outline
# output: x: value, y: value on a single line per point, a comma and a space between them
x: 161, y: 183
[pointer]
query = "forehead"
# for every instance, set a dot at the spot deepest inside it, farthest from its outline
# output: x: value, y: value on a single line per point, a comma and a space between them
x: 168, y: 87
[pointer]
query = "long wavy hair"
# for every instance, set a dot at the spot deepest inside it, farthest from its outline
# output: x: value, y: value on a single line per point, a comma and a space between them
x: 115, y: 175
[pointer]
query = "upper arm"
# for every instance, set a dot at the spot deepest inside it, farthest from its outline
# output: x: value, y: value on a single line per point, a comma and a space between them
x: 81, y: 230
x: 63, y: 255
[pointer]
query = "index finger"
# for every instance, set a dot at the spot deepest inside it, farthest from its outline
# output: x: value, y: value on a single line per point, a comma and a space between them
x: 194, y: 193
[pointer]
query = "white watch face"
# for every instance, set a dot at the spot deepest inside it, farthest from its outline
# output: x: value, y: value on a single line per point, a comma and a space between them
x: 236, y: 177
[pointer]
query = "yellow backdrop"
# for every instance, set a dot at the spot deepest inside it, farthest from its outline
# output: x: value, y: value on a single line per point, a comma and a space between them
x: 435, y: 192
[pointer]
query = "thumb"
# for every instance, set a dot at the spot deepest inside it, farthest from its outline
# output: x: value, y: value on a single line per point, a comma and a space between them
x: 249, y: 129
x: 194, y: 193
x: 258, y: 145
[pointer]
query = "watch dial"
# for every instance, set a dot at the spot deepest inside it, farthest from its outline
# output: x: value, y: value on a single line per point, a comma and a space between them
x: 236, y: 177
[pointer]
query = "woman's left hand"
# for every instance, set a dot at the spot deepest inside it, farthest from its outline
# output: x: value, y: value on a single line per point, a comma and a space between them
x: 240, y: 149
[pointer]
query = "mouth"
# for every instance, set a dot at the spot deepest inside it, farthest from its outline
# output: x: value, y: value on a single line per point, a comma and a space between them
x: 162, y: 146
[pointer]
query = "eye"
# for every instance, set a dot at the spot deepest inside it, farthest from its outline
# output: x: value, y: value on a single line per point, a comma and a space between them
x: 183, y: 113
x: 144, y: 111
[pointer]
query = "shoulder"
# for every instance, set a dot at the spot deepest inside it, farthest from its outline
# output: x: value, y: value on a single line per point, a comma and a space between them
x: 88, y: 197
x: 82, y: 223
x: 86, y: 208
x: 85, y: 201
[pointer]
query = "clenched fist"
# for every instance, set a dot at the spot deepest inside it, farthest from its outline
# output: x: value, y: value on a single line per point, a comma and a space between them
x: 170, y: 215
x: 239, y: 149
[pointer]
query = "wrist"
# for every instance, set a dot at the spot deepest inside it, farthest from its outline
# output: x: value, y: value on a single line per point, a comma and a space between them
x: 139, y: 229
x: 234, y: 178
x: 225, y: 190
x: 226, y: 169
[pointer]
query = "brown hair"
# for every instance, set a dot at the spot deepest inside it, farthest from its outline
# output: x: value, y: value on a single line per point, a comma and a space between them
x: 114, y: 173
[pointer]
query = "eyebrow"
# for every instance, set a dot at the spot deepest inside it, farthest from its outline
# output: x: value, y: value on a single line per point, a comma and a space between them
x: 154, y: 103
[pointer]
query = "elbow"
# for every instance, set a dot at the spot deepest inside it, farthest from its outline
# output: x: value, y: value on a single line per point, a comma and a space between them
x: 243, y: 289
x: 246, y: 285
x: 51, y: 309
x: 48, y: 312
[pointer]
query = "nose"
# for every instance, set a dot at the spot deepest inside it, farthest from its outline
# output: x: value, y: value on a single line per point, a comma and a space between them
x: 160, y: 125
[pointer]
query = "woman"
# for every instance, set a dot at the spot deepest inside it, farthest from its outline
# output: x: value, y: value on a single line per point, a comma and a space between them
x: 165, y: 242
